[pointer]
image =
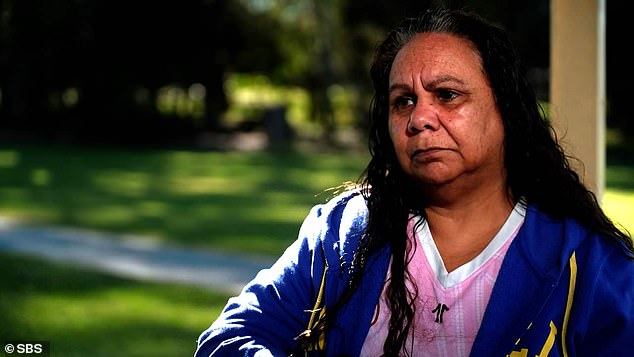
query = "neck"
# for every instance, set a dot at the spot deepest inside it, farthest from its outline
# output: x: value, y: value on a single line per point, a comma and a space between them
x: 463, y: 227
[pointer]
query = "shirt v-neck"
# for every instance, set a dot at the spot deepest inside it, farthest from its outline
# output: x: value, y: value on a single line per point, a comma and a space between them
x: 449, y: 279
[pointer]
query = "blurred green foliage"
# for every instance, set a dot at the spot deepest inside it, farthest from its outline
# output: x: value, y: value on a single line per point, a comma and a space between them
x: 67, y: 78
x: 250, y: 94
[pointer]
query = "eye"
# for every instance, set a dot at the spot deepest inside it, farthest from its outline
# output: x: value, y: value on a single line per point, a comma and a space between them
x: 446, y: 95
x: 401, y: 103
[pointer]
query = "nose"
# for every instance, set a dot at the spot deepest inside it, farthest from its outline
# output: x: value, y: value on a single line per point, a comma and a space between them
x: 423, y: 117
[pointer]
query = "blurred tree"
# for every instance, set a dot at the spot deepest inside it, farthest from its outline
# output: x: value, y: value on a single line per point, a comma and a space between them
x: 92, y: 69
x: 323, y: 72
x: 35, y: 35
x: 618, y: 73
x: 309, y: 33
x: 96, y: 67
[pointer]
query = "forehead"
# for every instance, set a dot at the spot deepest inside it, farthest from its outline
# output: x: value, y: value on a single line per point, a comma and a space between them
x: 432, y: 54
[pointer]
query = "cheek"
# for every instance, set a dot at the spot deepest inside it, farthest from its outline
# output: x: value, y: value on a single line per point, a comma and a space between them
x: 391, y: 127
x: 482, y: 127
x: 397, y: 134
x: 492, y: 138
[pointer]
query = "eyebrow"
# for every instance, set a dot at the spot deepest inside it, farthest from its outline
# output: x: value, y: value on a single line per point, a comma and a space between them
x: 443, y: 79
x: 431, y: 84
x: 400, y: 86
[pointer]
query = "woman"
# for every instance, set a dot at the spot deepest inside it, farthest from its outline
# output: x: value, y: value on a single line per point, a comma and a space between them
x: 468, y: 235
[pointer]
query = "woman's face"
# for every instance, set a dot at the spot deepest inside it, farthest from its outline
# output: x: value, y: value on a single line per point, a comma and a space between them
x: 443, y: 120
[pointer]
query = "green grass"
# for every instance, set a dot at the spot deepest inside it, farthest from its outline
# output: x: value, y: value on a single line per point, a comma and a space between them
x: 618, y: 200
x: 251, y: 202
x: 85, y: 313
x: 619, y: 206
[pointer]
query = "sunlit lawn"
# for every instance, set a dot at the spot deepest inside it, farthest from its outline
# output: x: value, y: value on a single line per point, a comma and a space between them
x: 619, y: 205
x: 84, y: 313
x: 251, y: 202
x: 618, y: 200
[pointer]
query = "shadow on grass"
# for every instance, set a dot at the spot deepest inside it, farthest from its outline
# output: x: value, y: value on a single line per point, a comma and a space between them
x: 238, y: 201
x: 83, y: 313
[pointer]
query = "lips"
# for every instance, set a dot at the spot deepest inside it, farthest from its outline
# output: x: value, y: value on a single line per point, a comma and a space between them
x: 428, y: 153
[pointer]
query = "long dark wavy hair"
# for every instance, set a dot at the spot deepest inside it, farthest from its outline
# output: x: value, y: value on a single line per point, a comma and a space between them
x: 537, y: 167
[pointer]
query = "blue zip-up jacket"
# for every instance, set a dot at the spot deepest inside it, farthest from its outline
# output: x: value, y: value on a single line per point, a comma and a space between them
x: 561, y: 290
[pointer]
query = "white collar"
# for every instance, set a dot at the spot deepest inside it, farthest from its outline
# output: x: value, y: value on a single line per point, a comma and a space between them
x: 446, y: 279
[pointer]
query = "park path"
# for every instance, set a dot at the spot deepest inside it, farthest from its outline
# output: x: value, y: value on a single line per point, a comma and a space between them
x: 132, y: 257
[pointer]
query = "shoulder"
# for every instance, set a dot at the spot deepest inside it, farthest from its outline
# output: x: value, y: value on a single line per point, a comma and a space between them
x: 549, y: 242
x: 337, y: 224
x: 342, y: 211
x: 601, y: 261
x: 568, y: 233
x: 350, y: 201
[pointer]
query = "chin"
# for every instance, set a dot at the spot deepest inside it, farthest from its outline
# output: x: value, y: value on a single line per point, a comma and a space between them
x: 432, y: 176
x: 433, y: 180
